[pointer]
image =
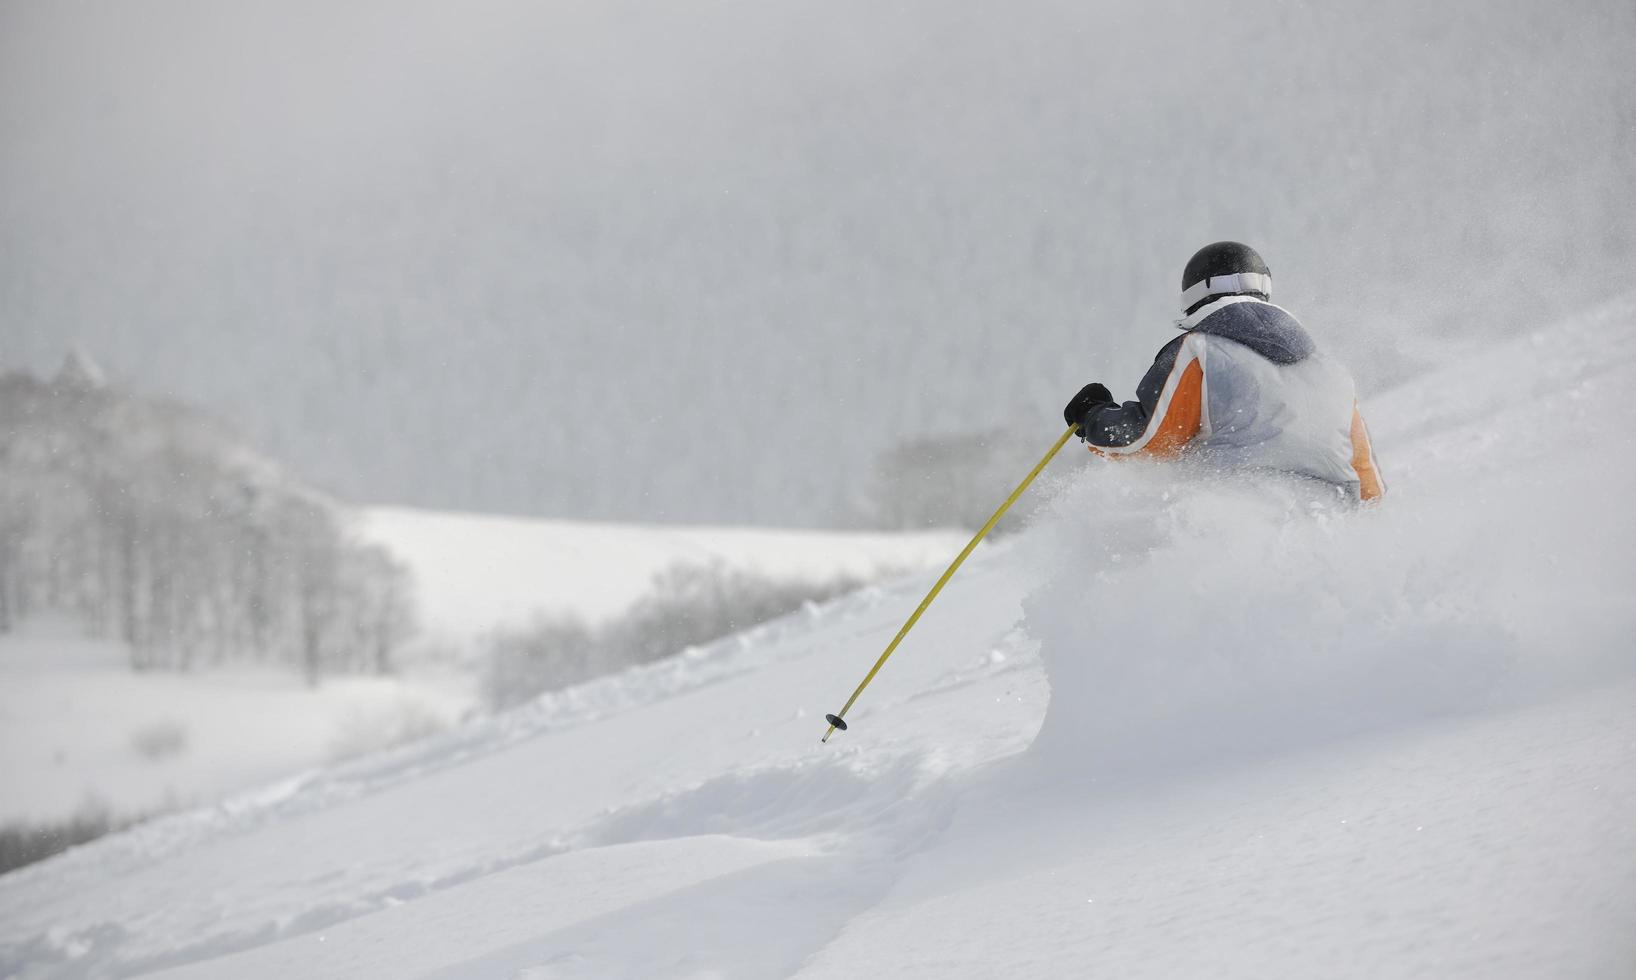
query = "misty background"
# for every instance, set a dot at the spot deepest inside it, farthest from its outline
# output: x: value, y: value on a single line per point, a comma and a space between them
x: 715, y: 261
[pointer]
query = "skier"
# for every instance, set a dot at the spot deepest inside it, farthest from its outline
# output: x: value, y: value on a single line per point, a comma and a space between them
x: 1244, y: 386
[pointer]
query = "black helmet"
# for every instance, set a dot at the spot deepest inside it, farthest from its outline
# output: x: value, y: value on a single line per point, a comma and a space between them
x: 1224, y: 269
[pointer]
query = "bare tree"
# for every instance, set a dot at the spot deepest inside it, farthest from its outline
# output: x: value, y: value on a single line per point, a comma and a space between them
x: 149, y: 523
x: 382, y: 605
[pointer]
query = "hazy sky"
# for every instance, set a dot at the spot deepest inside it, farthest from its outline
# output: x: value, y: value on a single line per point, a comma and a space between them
x: 706, y: 261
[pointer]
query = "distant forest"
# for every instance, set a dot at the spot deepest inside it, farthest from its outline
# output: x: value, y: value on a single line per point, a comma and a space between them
x: 710, y: 261
x: 151, y: 524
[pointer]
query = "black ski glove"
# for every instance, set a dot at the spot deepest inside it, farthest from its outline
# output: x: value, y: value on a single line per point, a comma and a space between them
x: 1089, y: 397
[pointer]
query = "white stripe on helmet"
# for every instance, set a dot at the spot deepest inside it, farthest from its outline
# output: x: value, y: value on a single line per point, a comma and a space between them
x: 1237, y: 282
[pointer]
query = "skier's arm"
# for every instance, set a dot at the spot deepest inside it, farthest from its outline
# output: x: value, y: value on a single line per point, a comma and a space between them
x: 1111, y: 425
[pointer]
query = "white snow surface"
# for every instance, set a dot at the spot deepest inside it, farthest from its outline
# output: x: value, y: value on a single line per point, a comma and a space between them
x: 80, y: 731
x: 1183, y: 726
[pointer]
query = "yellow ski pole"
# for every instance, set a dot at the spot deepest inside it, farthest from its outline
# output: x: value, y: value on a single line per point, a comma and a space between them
x: 837, y: 721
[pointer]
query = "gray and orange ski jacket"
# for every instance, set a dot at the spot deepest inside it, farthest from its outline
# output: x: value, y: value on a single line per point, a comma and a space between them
x: 1245, y: 386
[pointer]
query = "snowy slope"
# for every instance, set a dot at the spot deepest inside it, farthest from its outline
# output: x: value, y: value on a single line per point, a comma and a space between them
x: 80, y: 730
x: 1182, y: 727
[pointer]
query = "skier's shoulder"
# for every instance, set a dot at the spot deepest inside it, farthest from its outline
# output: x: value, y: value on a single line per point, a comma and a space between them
x: 1268, y: 329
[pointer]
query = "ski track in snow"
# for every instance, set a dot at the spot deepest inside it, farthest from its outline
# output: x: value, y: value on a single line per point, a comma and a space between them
x: 1280, y: 742
x: 809, y: 794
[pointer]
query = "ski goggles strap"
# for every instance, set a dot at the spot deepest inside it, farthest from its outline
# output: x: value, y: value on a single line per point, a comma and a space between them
x: 1236, y: 282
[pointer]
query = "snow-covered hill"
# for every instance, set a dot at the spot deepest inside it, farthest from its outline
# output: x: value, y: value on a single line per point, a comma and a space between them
x: 1182, y: 727
x: 82, y: 734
